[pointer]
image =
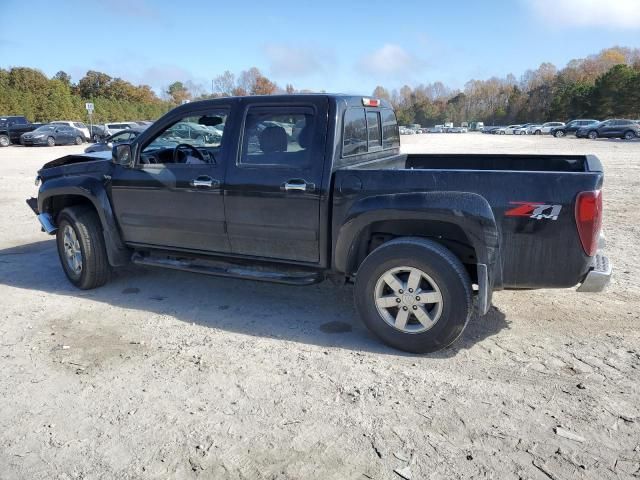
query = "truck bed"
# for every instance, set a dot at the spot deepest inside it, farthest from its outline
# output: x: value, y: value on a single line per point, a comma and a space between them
x: 533, y: 253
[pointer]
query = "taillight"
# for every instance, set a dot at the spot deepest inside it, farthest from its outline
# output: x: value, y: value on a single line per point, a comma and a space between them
x: 589, y: 220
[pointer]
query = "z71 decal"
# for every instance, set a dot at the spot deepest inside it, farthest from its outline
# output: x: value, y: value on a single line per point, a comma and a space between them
x: 534, y: 210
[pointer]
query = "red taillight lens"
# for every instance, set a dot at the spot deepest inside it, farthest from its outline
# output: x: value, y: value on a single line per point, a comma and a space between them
x: 589, y: 220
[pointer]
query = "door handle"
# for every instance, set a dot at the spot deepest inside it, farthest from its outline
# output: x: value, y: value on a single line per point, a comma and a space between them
x: 204, y: 181
x: 297, y: 185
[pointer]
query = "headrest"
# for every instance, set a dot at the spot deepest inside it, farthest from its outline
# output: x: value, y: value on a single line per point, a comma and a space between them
x: 273, y: 139
x: 305, y: 136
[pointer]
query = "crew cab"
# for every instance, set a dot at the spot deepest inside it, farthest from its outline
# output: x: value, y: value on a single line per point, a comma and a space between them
x: 300, y: 188
x: 12, y: 127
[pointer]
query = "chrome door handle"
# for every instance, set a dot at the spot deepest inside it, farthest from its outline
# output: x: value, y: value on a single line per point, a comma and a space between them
x: 297, y: 186
x: 203, y: 181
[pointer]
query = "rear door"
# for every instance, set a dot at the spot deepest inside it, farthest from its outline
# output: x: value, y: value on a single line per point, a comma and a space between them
x: 607, y: 129
x: 272, y: 196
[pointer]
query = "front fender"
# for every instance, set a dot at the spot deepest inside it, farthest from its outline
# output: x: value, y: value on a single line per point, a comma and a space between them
x: 469, y: 211
x: 93, y: 190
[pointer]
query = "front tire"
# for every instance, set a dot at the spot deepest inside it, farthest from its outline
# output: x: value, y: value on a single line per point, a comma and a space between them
x: 51, y: 142
x: 78, y: 141
x: 593, y: 135
x: 414, y: 294
x: 81, y: 248
x: 559, y: 134
x: 4, y: 141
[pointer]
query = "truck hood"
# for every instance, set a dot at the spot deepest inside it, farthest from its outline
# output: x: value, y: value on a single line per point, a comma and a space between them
x: 80, y: 164
x: 80, y: 158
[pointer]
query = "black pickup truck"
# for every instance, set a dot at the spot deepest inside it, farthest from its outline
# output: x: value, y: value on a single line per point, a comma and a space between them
x: 300, y: 188
x: 12, y: 127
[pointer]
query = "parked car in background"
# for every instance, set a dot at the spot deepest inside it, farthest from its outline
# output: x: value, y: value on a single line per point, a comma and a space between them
x: 97, y: 132
x: 51, y: 135
x: 111, y: 128
x: 612, y: 128
x: 116, y: 138
x: 491, y: 129
x: 457, y: 130
x: 86, y: 135
x: 11, y: 127
x: 545, y: 128
x: 143, y: 123
x: 507, y: 130
x: 478, y: 126
x: 572, y: 127
x: 523, y: 130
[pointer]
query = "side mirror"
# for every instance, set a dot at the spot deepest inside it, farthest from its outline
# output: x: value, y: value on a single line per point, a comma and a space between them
x: 121, y: 154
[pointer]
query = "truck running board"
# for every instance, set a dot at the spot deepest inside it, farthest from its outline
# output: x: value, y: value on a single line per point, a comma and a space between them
x: 224, y: 269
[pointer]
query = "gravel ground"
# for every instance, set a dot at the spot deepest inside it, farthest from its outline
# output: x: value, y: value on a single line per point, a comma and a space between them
x: 165, y: 374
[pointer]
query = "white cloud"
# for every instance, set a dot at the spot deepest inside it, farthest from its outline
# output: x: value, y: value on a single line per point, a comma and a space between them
x: 588, y: 13
x: 296, y: 61
x: 390, y: 61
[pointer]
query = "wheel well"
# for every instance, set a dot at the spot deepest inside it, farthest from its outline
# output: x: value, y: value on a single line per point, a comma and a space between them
x: 449, y: 235
x: 54, y: 205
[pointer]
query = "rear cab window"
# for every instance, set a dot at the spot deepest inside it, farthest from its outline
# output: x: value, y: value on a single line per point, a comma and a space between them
x: 369, y: 130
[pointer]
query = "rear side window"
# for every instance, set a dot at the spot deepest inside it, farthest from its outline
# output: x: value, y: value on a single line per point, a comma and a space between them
x: 355, y: 132
x: 278, y: 136
x: 390, y: 133
x: 373, y: 129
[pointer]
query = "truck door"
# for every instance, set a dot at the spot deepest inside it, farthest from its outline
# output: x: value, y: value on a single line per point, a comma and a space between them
x: 273, y: 190
x: 173, y: 196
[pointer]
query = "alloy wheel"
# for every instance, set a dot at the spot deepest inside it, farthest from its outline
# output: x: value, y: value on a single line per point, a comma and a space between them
x: 73, y: 254
x: 408, y: 299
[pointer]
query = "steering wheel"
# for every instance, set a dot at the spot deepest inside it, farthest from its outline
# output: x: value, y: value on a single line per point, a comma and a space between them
x: 178, y: 148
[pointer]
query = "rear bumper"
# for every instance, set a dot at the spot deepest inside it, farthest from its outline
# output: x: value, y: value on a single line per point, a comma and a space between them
x: 598, y: 277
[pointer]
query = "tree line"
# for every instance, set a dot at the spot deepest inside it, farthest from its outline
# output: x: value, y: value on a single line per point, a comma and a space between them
x: 603, y: 85
x: 600, y: 86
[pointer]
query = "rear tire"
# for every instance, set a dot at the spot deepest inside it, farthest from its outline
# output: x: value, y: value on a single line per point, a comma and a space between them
x: 4, y: 141
x: 538, y: 132
x: 81, y: 248
x: 629, y: 135
x: 78, y: 141
x: 441, y: 274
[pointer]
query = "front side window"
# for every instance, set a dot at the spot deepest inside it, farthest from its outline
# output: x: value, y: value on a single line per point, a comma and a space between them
x: 193, y: 140
x: 278, y: 136
x: 355, y: 132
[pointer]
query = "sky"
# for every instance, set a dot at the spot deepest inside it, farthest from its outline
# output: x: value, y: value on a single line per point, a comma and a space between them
x: 336, y: 46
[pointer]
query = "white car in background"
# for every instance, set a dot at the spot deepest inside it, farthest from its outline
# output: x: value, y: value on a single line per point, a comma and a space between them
x: 77, y: 125
x: 532, y: 128
x: 115, y: 127
x: 508, y: 130
x: 523, y: 130
x: 545, y: 128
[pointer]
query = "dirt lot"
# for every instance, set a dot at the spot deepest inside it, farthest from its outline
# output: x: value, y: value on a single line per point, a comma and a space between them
x: 173, y: 375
